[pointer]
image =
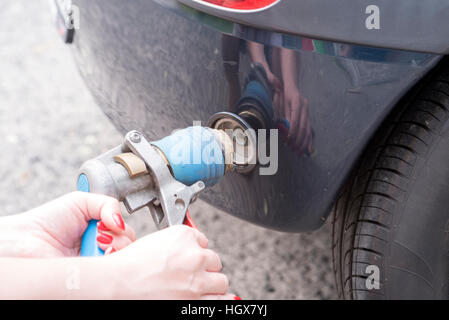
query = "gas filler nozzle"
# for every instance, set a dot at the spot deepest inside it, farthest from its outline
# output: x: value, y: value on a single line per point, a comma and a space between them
x: 166, y: 175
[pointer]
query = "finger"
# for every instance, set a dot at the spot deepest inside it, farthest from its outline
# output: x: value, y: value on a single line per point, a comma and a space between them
x: 276, y: 101
x: 112, y: 218
x: 108, y: 251
x: 215, y: 283
x: 129, y: 231
x: 301, y: 139
x: 309, y: 138
x: 310, y: 148
x: 227, y: 296
x: 287, y: 109
x: 278, y: 84
x: 302, y: 148
x: 305, y: 125
x: 294, y: 124
x: 213, y: 261
x: 195, y: 234
x: 99, y: 207
x: 106, y: 240
x: 121, y: 242
x: 281, y: 102
x: 201, y: 238
x: 306, y: 144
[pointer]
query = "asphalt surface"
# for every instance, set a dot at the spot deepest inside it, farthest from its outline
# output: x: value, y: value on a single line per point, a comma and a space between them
x: 49, y: 125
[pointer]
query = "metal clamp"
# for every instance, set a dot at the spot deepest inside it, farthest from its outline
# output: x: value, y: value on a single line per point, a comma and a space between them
x: 170, y: 198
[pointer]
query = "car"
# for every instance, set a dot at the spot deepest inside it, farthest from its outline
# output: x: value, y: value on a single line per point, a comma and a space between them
x: 359, y: 94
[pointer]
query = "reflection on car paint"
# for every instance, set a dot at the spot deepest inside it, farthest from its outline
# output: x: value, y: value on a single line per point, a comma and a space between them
x: 295, y: 42
x: 269, y: 94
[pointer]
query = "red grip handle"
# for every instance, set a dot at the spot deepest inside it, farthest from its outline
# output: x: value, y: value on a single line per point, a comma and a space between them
x: 188, y: 221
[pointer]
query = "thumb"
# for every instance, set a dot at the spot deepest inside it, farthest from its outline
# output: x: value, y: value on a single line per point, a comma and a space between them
x: 99, y: 207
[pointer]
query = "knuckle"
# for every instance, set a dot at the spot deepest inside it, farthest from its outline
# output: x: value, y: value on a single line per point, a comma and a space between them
x: 203, y: 256
x: 224, y: 282
x: 216, y: 258
x: 193, y: 259
x: 196, y: 284
x: 200, y: 256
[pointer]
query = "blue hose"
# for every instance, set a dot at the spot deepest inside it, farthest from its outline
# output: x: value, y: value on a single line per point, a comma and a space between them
x: 89, y: 246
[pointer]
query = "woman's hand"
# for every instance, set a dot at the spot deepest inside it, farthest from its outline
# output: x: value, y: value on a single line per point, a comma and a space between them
x: 55, y: 228
x: 170, y: 264
x: 296, y: 112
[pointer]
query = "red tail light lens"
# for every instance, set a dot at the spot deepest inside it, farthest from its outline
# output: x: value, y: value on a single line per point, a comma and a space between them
x: 243, y: 5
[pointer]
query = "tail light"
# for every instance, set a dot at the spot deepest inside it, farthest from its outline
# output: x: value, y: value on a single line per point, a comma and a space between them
x: 240, y: 5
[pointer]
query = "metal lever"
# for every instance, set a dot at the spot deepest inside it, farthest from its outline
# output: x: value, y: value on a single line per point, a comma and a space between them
x: 172, y: 197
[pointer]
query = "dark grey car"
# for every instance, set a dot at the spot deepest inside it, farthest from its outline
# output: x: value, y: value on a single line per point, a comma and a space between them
x: 360, y: 94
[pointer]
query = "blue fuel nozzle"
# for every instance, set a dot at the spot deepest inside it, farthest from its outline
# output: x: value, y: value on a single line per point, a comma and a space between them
x: 194, y: 154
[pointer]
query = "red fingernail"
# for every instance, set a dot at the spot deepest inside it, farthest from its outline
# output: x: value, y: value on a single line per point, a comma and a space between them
x: 119, y: 221
x: 101, y: 226
x: 104, y: 238
x: 237, y: 298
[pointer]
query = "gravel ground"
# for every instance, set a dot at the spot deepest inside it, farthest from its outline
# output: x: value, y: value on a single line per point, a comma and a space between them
x: 49, y: 125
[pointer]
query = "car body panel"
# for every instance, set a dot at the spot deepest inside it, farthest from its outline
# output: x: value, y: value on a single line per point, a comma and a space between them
x: 403, y: 24
x: 156, y: 68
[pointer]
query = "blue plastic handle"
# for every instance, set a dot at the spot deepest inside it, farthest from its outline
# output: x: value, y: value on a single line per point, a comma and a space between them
x: 89, y: 247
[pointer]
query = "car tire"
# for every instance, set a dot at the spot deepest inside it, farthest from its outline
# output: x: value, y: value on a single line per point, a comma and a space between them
x: 391, y: 221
